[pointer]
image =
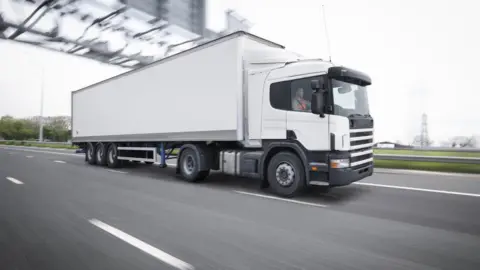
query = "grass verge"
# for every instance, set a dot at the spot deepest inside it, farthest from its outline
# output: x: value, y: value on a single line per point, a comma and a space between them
x: 428, y: 166
x: 45, y: 145
x: 426, y: 153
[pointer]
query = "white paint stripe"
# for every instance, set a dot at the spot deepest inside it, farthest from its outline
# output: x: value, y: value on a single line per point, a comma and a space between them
x: 416, y: 172
x: 35, y: 147
x: 115, y: 171
x: 280, y: 199
x: 165, y: 257
x: 59, y: 161
x: 419, y: 189
x: 29, y: 156
x: 48, y: 152
x: 13, y: 180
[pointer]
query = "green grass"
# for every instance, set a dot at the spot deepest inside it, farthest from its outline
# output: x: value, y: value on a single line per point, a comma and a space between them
x: 426, y: 153
x: 45, y: 145
x: 428, y: 166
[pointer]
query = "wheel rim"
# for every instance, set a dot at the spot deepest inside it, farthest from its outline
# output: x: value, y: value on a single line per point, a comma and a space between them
x: 285, y: 174
x: 112, y: 155
x: 99, y: 153
x: 90, y: 153
x: 189, y: 164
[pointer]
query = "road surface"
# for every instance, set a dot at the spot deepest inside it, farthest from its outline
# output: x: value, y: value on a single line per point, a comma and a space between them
x: 56, y: 212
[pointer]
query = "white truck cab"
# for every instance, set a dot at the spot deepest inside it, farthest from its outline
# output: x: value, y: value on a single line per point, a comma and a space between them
x: 315, y: 109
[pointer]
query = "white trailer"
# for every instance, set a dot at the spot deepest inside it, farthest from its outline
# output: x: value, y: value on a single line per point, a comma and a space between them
x: 241, y: 105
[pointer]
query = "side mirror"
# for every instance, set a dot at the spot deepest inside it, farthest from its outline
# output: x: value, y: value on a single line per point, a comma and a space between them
x: 315, y: 85
x: 318, y: 103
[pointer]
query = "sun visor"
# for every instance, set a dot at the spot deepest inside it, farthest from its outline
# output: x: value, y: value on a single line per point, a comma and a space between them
x: 349, y: 75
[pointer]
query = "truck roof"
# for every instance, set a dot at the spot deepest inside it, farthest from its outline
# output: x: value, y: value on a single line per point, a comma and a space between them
x: 196, y: 48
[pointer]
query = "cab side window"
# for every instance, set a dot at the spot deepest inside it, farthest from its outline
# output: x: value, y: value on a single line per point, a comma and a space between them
x: 293, y: 95
x: 280, y: 96
x: 301, y: 95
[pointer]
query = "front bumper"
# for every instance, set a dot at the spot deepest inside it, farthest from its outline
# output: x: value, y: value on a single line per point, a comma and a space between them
x: 343, y: 177
x: 340, y: 177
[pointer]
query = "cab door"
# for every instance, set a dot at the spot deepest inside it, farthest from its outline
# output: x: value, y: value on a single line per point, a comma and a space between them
x: 310, y: 129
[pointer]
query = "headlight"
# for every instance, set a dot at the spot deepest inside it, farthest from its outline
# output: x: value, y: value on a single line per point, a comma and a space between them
x: 339, y: 163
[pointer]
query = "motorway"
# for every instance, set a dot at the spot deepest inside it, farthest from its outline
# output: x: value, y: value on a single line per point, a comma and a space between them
x: 56, y: 212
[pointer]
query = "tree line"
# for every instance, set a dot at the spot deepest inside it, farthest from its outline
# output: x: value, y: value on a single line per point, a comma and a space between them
x: 56, y: 129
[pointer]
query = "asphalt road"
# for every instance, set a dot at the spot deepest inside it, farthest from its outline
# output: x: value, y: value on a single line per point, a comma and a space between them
x: 56, y: 212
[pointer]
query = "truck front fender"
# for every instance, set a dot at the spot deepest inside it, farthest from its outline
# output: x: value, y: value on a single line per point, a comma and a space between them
x: 275, y: 147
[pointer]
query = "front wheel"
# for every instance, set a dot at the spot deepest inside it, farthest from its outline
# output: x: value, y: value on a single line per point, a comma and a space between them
x: 286, y: 174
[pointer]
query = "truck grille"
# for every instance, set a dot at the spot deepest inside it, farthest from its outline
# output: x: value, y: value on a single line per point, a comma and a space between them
x: 361, y: 148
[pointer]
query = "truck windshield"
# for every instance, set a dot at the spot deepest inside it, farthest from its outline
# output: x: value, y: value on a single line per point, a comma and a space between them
x: 349, y: 99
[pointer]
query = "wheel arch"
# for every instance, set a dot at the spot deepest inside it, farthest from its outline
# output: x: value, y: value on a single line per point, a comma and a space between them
x: 274, y: 148
x: 203, y: 153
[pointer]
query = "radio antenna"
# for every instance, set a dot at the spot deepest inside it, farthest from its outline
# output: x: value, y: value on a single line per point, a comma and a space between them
x: 326, y: 34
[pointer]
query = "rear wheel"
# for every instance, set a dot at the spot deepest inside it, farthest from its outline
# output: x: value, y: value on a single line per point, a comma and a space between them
x: 101, y: 154
x: 112, y: 156
x: 189, y: 166
x: 286, y: 174
x: 90, y: 154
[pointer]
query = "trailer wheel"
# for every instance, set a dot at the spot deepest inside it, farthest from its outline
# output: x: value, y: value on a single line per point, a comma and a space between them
x: 90, y: 154
x: 112, y: 154
x: 101, y: 154
x: 189, y: 166
x: 286, y: 174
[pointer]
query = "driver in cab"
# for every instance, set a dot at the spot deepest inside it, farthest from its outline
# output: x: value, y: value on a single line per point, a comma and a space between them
x: 299, y: 103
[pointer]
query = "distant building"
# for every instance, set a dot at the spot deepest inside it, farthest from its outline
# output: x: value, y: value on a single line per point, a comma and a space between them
x: 392, y: 145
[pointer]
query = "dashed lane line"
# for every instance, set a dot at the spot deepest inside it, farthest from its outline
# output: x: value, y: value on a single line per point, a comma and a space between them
x: 13, y: 180
x: 153, y: 251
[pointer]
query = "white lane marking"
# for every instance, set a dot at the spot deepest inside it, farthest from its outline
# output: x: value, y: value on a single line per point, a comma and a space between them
x: 155, y: 252
x: 47, y: 152
x: 13, y: 180
x: 115, y: 171
x: 35, y: 147
x: 280, y: 199
x: 416, y: 172
x: 419, y: 189
x: 59, y: 161
x: 29, y: 156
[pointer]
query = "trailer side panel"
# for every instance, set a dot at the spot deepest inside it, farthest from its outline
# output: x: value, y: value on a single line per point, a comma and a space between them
x: 193, y: 97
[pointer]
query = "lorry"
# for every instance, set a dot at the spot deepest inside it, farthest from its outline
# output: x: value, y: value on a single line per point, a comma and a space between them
x: 240, y: 105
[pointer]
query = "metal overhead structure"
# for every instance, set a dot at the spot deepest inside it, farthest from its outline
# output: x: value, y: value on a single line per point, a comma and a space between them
x: 93, y: 48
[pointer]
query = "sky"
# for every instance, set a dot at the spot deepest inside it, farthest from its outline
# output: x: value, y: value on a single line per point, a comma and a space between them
x: 422, y: 57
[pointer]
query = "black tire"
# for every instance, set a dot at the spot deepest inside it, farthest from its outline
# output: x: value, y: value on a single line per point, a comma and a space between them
x: 148, y: 162
x: 90, y: 154
x: 189, y: 166
x: 290, y: 180
x: 101, y: 154
x: 112, y: 154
